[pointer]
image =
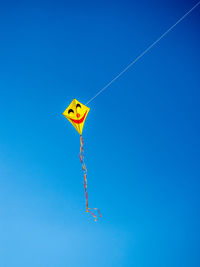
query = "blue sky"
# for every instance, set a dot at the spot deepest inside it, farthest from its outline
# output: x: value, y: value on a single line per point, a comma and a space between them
x: 141, y: 135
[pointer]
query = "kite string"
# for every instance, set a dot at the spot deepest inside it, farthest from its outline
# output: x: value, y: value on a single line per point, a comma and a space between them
x: 81, y: 156
x: 142, y: 54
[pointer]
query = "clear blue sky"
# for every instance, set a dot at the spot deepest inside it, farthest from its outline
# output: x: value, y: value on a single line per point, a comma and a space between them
x: 142, y: 135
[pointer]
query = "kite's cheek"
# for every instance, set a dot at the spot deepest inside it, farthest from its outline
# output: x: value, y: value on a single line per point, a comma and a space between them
x: 81, y: 120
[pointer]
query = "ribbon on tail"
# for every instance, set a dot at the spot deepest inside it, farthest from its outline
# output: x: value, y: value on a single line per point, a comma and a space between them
x: 81, y: 156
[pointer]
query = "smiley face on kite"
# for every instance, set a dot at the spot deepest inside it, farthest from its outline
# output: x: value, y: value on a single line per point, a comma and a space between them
x: 76, y: 113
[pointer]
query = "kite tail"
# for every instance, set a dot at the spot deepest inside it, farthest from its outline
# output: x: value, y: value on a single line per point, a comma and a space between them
x: 81, y: 156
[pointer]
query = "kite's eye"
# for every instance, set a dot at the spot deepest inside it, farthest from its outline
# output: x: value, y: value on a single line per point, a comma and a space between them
x: 78, y: 105
x: 70, y: 110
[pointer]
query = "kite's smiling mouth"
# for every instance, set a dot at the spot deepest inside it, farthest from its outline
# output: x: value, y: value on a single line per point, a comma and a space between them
x: 81, y: 120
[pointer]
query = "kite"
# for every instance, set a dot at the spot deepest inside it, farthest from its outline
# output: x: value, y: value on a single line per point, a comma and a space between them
x: 76, y: 113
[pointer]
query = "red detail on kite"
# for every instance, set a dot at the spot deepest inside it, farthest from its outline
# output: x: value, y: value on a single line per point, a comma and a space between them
x: 81, y: 120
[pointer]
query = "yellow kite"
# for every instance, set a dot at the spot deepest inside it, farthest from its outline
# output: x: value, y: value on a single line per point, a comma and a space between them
x: 76, y: 113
